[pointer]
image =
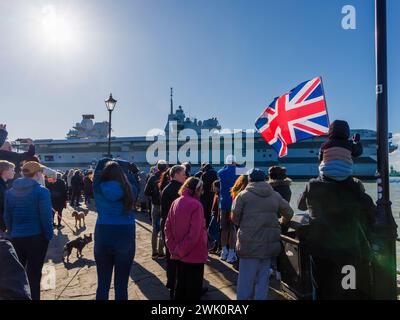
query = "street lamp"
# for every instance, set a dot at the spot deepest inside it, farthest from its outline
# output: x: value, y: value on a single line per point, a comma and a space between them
x: 110, y: 105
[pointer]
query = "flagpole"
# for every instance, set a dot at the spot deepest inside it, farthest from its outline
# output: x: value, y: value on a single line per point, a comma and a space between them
x: 326, y: 104
x: 385, y: 230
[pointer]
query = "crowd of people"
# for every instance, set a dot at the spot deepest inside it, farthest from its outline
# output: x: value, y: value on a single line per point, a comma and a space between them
x: 239, y: 217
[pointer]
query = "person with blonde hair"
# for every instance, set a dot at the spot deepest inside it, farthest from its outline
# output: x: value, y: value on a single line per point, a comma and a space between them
x: 240, y: 185
x: 29, y: 220
x: 186, y: 240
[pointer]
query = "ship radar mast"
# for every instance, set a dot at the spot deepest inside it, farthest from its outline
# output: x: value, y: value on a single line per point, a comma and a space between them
x: 172, y: 101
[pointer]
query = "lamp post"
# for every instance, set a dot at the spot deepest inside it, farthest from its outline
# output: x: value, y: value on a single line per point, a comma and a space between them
x: 384, y: 231
x: 110, y: 105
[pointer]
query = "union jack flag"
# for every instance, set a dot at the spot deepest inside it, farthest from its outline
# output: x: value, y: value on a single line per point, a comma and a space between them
x: 297, y: 115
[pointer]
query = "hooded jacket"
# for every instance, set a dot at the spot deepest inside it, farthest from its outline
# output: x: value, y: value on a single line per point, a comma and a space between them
x: 255, y: 211
x: 185, y: 230
x: 109, y: 198
x: 27, y: 210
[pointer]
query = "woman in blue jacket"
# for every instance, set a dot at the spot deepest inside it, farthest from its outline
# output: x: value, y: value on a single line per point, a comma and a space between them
x: 114, y: 245
x: 29, y: 221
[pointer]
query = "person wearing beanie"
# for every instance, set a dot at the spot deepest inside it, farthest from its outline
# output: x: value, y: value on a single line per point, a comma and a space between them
x: 336, y: 154
x: 255, y: 211
x: 29, y: 220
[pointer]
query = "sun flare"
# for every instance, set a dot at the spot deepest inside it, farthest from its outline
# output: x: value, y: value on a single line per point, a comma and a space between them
x: 57, y: 28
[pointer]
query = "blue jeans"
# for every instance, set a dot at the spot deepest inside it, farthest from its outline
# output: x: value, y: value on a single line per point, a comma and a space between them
x: 114, y: 249
x: 253, y: 279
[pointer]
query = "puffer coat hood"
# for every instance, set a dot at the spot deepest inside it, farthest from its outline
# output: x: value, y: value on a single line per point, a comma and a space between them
x: 255, y: 211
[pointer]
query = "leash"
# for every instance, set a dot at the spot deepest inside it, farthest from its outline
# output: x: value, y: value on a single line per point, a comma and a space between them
x: 65, y: 222
x: 58, y: 297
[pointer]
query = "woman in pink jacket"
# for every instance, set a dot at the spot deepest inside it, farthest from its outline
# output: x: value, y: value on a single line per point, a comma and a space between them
x: 186, y: 239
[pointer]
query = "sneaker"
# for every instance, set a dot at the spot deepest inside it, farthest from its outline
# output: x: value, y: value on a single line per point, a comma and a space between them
x: 231, y: 257
x: 224, y: 254
x: 154, y: 256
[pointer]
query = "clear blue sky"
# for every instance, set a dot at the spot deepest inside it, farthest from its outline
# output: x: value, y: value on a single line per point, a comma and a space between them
x: 224, y: 58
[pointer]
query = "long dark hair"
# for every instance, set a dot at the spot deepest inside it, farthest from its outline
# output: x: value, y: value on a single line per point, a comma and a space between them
x: 113, y: 172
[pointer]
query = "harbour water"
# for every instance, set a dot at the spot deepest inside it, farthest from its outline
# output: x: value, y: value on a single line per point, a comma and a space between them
x: 370, y: 187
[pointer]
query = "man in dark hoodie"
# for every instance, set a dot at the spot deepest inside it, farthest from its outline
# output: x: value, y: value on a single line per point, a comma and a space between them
x: 77, y: 187
x: 151, y: 190
x: 208, y: 177
x: 58, y: 191
x: 168, y: 195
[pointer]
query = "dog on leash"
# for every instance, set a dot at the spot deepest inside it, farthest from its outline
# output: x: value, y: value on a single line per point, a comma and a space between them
x: 79, y: 216
x: 78, y: 244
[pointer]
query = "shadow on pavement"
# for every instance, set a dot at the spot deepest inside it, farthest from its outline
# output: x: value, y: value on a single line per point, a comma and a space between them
x: 79, y: 263
x: 148, y: 283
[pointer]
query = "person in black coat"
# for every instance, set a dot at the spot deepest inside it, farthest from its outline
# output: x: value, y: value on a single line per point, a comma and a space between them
x: 209, y: 175
x: 88, y: 187
x: 151, y: 190
x: 341, y: 216
x: 168, y: 195
x: 77, y: 187
x: 58, y: 191
x: 280, y: 182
